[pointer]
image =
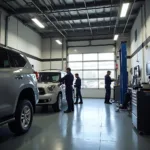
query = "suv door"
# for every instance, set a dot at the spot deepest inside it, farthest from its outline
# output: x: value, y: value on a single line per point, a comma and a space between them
x: 10, y: 80
x: 5, y: 84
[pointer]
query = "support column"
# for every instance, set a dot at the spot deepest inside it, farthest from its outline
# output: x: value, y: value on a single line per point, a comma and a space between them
x: 123, y: 72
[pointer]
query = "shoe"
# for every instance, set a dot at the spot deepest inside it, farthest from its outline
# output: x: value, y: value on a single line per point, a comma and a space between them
x: 67, y: 111
x: 75, y: 103
x: 80, y: 102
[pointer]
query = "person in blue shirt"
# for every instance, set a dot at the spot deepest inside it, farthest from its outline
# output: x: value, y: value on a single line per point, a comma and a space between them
x: 68, y: 79
x: 108, y: 81
x: 78, y: 89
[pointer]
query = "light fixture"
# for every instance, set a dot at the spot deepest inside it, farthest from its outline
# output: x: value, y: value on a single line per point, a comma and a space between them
x: 116, y: 37
x: 75, y: 50
x: 38, y: 23
x: 124, y: 10
x: 59, y: 42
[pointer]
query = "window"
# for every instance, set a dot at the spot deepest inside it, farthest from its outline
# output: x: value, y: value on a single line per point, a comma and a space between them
x: 108, y: 64
x: 77, y: 71
x: 88, y: 57
x: 4, y: 62
x: 75, y: 57
x: 92, y: 68
x: 16, y: 59
x: 49, y: 77
x: 90, y: 83
x: 102, y: 73
x: 75, y: 65
x: 90, y: 65
x: 106, y: 56
x: 90, y: 74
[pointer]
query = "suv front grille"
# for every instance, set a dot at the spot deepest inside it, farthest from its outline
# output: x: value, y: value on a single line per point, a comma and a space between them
x: 41, y: 91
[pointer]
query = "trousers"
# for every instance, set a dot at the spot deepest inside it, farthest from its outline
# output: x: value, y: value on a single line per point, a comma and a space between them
x: 107, y: 94
x: 78, y: 95
x: 69, y: 98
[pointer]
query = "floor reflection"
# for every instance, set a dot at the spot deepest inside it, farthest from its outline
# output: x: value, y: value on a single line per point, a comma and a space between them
x: 92, y: 126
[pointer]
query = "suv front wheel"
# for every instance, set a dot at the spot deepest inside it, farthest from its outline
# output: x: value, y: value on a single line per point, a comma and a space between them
x: 58, y: 105
x: 23, y: 118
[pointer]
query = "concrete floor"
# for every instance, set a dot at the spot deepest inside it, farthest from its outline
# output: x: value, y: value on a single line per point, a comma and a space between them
x: 93, y: 126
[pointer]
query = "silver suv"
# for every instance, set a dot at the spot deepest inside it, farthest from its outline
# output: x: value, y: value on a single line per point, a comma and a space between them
x: 50, y: 90
x: 18, y: 91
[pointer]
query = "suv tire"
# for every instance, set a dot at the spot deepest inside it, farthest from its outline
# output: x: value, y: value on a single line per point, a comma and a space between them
x: 23, y: 118
x: 57, y: 106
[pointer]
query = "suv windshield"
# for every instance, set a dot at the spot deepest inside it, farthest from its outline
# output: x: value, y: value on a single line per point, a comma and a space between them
x: 49, y: 77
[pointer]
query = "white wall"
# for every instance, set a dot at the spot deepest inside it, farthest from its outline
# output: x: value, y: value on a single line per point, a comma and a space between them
x: 77, y: 49
x: 53, y: 51
x: 143, y: 56
x: 21, y: 38
x: 2, y: 26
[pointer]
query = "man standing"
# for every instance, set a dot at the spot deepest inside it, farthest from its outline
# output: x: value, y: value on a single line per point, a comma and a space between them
x: 108, y: 81
x: 68, y: 79
x: 78, y: 89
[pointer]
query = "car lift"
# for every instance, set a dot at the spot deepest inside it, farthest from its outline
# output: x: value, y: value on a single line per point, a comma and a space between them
x: 123, y: 72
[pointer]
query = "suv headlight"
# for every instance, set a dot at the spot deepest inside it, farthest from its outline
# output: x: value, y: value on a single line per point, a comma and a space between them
x: 51, y: 88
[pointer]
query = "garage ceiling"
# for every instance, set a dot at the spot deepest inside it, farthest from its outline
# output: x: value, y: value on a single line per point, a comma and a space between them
x: 75, y: 19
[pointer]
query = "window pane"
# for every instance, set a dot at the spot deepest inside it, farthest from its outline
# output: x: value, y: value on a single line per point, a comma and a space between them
x: 75, y: 57
x: 75, y: 65
x: 49, y: 77
x: 90, y: 74
x: 4, y: 63
x: 106, y: 56
x: 107, y: 65
x: 16, y: 59
x: 104, y: 72
x: 102, y: 84
x: 87, y: 57
x: 90, y: 83
x: 76, y: 71
x: 90, y: 65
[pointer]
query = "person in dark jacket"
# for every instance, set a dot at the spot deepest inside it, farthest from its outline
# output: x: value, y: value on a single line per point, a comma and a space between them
x: 108, y: 81
x: 68, y: 79
x: 78, y: 89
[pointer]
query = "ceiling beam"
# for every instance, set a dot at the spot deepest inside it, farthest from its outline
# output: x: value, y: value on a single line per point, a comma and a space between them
x: 100, y: 32
x: 91, y: 16
x: 85, y: 26
x: 79, y: 6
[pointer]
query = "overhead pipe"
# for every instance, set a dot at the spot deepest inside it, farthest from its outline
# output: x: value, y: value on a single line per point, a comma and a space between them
x: 48, y: 19
x: 88, y: 17
x: 117, y: 20
x: 69, y: 15
x: 129, y: 16
x: 53, y: 15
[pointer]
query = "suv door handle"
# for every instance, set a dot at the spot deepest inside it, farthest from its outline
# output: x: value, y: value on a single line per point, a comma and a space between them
x: 19, y: 77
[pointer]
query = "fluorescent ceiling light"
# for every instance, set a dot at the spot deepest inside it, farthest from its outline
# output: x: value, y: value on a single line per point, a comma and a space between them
x: 59, y: 42
x: 38, y: 23
x: 116, y: 37
x: 124, y: 10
